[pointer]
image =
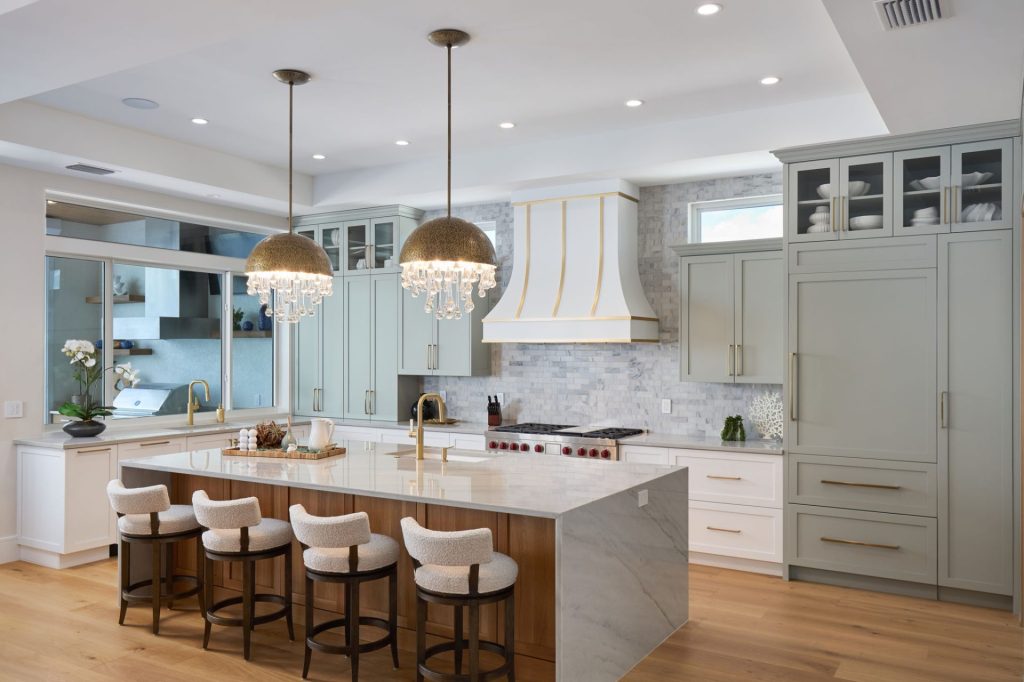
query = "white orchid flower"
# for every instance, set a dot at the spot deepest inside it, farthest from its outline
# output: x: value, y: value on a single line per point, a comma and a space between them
x: 90, y: 362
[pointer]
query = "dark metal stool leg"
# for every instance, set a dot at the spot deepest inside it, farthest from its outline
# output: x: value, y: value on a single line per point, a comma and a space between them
x: 510, y: 636
x: 309, y: 625
x: 421, y: 636
x: 126, y: 578
x: 288, y: 593
x: 393, y: 614
x: 200, y: 576
x: 248, y: 578
x: 208, y: 591
x: 169, y: 573
x: 457, y: 635
x: 474, y: 642
x: 156, y: 588
x: 353, y: 618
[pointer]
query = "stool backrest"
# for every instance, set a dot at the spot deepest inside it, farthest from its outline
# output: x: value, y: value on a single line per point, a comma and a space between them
x: 226, y: 514
x: 453, y: 548
x: 329, y: 531
x: 148, y: 500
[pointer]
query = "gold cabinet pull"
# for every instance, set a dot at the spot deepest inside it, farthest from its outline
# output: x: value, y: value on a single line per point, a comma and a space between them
x: 852, y: 484
x: 840, y: 541
x: 792, y: 387
x: 83, y: 452
x: 945, y: 205
x: 832, y: 214
x: 723, y: 530
x: 842, y: 213
x: 942, y: 409
x: 155, y: 442
x: 724, y: 478
x: 730, y: 360
x: 739, y: 359
x: 954, y: 213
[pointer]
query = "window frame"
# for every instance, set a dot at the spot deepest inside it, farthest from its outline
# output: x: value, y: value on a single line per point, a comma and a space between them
x: 696, y: 208
x: 147, y: 256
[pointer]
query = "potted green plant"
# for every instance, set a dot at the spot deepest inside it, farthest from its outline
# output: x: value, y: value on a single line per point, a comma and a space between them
x: 87, y: 371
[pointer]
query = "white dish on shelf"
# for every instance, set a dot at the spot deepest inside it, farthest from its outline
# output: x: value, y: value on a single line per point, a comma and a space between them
x: 818, y: 228
x: 335, y: 237
x: 825, y: 191
x: 866, y: 222
x: 924, y: 221
x: 975, y: 178
x: 926, y: 212
x: 926, y: 183
x: 817, y: 218
x: 859, y: 188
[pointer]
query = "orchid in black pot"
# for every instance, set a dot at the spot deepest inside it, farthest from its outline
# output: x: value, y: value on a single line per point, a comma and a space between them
x: 87, y: 371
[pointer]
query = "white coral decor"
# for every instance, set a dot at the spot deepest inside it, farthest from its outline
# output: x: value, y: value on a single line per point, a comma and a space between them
x: 767, y: 414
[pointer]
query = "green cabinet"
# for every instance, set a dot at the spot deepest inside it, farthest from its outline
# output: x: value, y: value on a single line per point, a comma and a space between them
x: 432, y: 347
x: 318, y: 374
x: 329, y: 236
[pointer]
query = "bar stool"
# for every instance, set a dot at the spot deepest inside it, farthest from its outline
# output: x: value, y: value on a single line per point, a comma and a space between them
x: 341, y: 549
x: 146, y: 516
x: 239, y: 533
x: 461, y: 569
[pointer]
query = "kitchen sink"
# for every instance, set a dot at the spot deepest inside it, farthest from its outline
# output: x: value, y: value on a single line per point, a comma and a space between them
x: 435, y: 455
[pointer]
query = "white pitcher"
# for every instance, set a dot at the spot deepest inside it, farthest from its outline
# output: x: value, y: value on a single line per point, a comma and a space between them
x: 320, y: 433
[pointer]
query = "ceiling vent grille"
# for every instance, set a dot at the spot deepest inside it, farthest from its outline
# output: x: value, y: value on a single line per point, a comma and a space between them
x: 905, y: 13
x: 85, y: 168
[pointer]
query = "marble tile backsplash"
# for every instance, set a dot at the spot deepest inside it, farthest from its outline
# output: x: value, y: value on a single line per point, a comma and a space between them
x: 620, y: 384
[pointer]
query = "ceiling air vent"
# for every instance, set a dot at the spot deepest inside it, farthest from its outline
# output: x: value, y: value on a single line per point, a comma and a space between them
x: 85, y: 168
x: 905, y: 13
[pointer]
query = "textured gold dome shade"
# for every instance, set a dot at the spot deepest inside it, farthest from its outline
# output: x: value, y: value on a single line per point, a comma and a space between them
x: 289, y: 252
x: 448, y: 239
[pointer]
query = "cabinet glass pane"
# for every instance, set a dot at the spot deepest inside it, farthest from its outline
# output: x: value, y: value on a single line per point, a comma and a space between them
x: 356, y: 242
x: 814, y: 195
x: 865, y: 196
x: 311, y: 234
x: 332, y: 245
x: 922, y: 191
x: 981, y: 185
x: 383, y: 244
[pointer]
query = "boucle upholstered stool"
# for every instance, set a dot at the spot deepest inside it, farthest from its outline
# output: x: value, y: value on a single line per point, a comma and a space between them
x: 239, y: 533
x: 145, y: 516
x: 341, y: 549
x: 461, y: 569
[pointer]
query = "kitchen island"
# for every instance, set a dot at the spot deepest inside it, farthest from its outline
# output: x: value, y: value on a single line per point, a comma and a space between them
x: 601, y: 546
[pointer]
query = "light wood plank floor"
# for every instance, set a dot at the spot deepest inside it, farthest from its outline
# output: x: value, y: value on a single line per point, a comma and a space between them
x: 62, y: 625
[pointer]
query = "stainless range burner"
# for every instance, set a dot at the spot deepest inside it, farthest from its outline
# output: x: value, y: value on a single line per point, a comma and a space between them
x: 594, y: 442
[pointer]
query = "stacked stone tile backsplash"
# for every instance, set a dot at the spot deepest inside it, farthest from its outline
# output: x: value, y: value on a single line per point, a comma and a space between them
x: 620, y: 384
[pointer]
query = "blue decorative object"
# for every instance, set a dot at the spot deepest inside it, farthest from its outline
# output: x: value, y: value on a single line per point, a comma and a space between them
x: 99, y: 343
x: 265, y: 323
x: 127, y: 344
x: 247, y: 326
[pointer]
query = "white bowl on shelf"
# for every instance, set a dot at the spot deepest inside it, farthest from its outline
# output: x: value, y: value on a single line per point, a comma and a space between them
x: 926, y: 212
x: 817, y: 228
x: 916, y: 222
x: 825, y: 191
x: 975, y: 178
x: 930, y: 183
x: 859, y: 188
x: 817, y: 218
x: 866, y: 222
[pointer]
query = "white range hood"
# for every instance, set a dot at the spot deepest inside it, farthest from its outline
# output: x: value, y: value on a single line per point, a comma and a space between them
x: 575, y: 277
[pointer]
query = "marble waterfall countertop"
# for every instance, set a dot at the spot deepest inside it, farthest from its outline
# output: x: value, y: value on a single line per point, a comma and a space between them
x: 671, y: 440
x: 511, y: 483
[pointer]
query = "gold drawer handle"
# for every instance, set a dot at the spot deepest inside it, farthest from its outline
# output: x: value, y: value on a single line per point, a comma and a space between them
x: 880, y: 486
x: 839, y: 541
x: 723, y: 530
x: 82, y: 452
x: 157, y: 442
x: 724, y: 478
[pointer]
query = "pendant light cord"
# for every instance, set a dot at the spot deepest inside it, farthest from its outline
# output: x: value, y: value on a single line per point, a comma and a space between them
x: 291, y: 89
x: 449, y: 48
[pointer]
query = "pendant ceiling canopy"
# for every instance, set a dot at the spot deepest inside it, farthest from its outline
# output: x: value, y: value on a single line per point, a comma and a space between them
x: 290, y: 273
x: 444, y: 257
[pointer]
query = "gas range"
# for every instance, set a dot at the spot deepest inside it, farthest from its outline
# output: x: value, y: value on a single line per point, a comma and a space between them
x: 593, y: 442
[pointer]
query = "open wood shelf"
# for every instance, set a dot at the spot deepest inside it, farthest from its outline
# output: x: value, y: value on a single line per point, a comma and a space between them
x: 132, y: 351
x: 126, y: 298
x: 254, y: 334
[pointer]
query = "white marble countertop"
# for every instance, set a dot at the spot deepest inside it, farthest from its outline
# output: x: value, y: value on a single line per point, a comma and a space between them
x: 671, y: 440
x: 530, y: 485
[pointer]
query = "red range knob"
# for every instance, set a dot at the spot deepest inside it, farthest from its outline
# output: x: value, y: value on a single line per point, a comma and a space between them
x: 582, y: 452
x: 493, y: 444
x: 605, y: 454
x: 593, y: 452
x: 538, y: 448
x: 504, y: 445
x: 566, y: 450
x: 514, y: 446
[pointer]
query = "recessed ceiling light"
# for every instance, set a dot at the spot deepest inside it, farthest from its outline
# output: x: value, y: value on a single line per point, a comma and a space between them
x: 200, y: 121
x: 709, y: 8
x: 506, y: 125
x: 634, y: 103
x: 319, y: 157
x: 402, y: 143
x: 139, y: 103
x: 770, y: 80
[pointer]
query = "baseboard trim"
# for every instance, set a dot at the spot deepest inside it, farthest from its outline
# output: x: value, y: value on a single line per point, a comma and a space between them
x: 736, y: 563
x: 42, y: 557
x: 8, y: 549
x: 864, y: 582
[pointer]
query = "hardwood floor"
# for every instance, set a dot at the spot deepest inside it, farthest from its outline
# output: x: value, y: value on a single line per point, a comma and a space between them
x: 62, y: 625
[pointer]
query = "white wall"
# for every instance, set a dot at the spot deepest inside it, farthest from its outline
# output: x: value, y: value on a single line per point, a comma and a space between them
x: 22, y: 229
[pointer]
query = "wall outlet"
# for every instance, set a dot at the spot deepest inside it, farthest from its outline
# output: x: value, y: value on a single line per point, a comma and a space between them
x: 14, y: 409
x: 666, y: 406
x: 501, y: 398
x: 641, y: 498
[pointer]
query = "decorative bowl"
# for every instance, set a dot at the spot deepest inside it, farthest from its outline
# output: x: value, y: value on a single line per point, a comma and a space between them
x: 926, y: 212
x: 825, y: 191
x: 859, y: 188
x: 930, y: 183
x: 866, y: 222
x: 975, y: 178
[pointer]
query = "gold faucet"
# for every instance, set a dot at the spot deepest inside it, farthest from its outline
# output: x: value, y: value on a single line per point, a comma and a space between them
x: 193, y: 400
x: 441, y: 416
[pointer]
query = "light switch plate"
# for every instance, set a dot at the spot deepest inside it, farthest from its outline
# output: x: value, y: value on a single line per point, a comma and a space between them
x: 501, y: 398
x: 14, y: 409
x: 641, y: 498
x: 666, y: 406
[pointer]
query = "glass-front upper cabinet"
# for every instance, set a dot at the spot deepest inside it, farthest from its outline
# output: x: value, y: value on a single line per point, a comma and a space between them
x: 812, y: 193
x: 371, y: 245
x: 921, y: 202
x: 865, y: 199
x: 981, y: 195
x: 329, y: 236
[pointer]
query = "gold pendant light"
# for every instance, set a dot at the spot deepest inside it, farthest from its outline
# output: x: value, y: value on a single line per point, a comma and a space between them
x: 292, y: 268
x: 444, y: 257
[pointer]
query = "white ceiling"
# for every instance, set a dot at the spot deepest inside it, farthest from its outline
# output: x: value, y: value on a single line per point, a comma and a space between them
x: 561, y: 70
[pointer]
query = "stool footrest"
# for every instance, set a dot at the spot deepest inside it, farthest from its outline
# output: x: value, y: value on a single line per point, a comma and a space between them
x: 444, y: 647
x: 364, y: 647
x: 211, y: 613
x: 129, y: 592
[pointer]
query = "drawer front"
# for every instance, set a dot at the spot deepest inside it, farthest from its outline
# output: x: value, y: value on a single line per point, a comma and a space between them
x: 150, y: 447
x: 732, y: 478
x: 866, y: 543
x: 883, y: 253
x: 637, y: 454
x: 430, y: 439
x: 359, y: 433
x: 733, y: 530
x: 871, y: 485
x: 468, y: 441
x: 210, y: 441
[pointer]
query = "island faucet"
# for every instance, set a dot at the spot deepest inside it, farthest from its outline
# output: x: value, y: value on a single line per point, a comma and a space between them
x: 441, y: 416
x: 193, y: 400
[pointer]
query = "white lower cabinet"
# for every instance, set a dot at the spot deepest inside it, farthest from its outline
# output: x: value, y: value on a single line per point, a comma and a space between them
x: 736, y: 500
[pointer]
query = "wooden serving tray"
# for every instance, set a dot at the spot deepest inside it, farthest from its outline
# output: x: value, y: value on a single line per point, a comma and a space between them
x: 301, y: 453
